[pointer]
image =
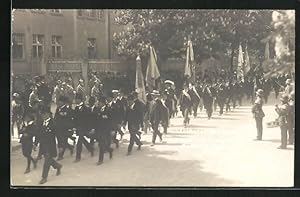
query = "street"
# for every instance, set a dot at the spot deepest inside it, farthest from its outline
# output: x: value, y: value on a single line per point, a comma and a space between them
x: 219, y: 152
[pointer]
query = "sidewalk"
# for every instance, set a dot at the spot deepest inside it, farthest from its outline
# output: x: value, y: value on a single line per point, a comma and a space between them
x: 15, y: 144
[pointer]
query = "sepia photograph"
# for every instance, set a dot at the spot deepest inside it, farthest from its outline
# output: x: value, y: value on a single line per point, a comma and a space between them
x: 152, y: 98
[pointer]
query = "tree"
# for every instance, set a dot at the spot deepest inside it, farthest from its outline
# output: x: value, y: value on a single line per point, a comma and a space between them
x: 283, y: 37
x: 214, y: 33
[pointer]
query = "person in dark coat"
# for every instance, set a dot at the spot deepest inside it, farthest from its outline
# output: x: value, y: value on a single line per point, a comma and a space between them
x: 195, y: 99
x: 28, y: 132
x: 48, y: 145
x: 291, y: 118
x: 133, y: 115
x: 101, y: 121
x: 81, y: 118
x: 258, y: 113
x: 158, y: 115
x: 283, y: 111
x: 221, y: 97
x: 148, y: 108
x: 92, y: 120
x: 118, y: 113
x: 208, y: 98
x: 185, y: 103
x: 44, y: 92
x: 64, y: 126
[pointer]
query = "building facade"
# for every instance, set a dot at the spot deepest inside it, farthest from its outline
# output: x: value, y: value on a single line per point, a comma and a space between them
x: 40, y: 36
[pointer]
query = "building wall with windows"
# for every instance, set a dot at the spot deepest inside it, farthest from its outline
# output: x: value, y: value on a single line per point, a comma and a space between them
x: 40, y: 35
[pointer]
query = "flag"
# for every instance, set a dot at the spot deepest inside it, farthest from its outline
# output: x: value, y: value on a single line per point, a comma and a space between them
x: 247, y: 61
x: 189, y: 69
x: 152, y: 72
x: 267, y: 52
x: 240, y: 70
x: 139, y: 81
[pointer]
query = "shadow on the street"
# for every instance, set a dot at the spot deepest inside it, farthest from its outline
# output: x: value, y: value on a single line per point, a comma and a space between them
x: 272, y: 140
x: 177, y: 172
x: 237, y: 114
x: 194, y: 126
x: 223, y: 118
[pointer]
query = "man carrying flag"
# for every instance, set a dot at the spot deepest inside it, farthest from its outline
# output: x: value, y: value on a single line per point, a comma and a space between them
x: 152, y: 72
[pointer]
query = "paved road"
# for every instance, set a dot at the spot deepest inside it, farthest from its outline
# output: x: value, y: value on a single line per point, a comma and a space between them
x: 218, y: 152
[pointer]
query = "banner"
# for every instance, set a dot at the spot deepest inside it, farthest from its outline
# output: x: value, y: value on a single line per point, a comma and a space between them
x: 139, y: 81
x: 247, y: 65
x: 189, y: 69
x: 152, y: 72
x: 240, y: 69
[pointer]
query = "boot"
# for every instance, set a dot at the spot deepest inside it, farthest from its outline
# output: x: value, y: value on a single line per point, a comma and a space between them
x: 44, y: 180
x: 58, y: 172
x: 27, y: 170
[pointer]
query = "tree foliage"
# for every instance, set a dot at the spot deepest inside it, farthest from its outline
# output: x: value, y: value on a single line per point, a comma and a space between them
x: 214, y: 32
x: 283, y: 37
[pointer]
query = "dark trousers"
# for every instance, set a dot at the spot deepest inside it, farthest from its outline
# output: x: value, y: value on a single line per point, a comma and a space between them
x: 283, y: 129
x: 185, y: 114
x: 82, y: 140
x: 29, y: 160
x: 215, y: 105
x: 133, y: 139
x: 63, y: 144
x: 195, y: 108
x: 104, y: 146
x: 259, y: 127
x: 49, y: 161
x: 228, y: 100
x: 221, y: 106
x: 156, y: 131
x: 291, y: 132
x: 209, y: 109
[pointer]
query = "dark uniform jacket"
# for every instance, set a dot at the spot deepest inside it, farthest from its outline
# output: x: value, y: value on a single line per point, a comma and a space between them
x: 185, y: 101
x: 63, y: 119
x: 283, y: 112
x: 81, y: 119
x: 159, y: 113
x: 48, y: 140
x: 44, y: 93
x: 26, y: 140
x: 117, y: 111
x: 133, y: 116
x: 102, y: 121
x: 257, y: 108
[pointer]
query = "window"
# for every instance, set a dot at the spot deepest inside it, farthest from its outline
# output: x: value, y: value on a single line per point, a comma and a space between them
x: 91, y: 45
x: 100, y: 14
x: 56, y: 11
x: 56, y: 46
x: 37, y: 46
x: 18, y: 46
x: 79, y: 13
x: 91, y: 13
